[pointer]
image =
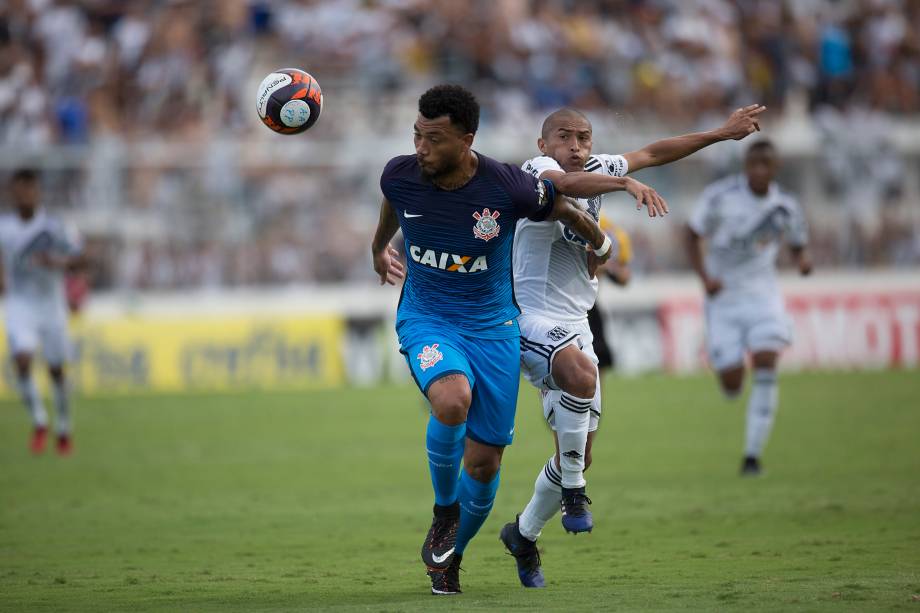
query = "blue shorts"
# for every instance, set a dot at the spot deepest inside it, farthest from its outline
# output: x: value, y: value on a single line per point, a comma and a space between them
x: 492, y: 367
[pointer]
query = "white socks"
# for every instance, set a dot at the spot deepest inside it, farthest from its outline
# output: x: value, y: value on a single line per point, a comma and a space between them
x: 547, y: 493
x: 33, y: 401
x: 570, y: 418
x: 761, y: 411
x: 62, y: 405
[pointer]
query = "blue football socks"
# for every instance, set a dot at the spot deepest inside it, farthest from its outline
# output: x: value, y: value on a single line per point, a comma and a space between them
x: 476, y: 500
x: 445, y: 446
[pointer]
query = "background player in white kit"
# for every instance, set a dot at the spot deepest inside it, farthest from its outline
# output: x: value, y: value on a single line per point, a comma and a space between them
x: 555, y: 286
x: 36, y: 252
x: 743, y: 219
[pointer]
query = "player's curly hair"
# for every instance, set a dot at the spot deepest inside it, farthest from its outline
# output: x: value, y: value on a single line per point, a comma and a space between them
x: 454, y: 101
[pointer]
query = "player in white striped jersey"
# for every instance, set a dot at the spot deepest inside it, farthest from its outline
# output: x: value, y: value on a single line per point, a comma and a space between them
x: 37, y: 250
x: 743, y: 220
x: 555, y: 286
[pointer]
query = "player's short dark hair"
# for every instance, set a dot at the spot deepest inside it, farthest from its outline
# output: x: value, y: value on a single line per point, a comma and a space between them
x: 24, y: 174
x: 761, y: 146
x: 458, y: 103
x: 563, y: 113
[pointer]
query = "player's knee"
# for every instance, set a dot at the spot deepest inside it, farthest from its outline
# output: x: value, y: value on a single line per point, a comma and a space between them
x: 578, y: 379
x: 765, y: 360
x: 482, y: 461
x: 731, y: 381
x: 450, y: 400
x: 23, y: 364
x: 585, y: 383
x: 56, y: 373
x: 484, y: 469
x: 450, y: 410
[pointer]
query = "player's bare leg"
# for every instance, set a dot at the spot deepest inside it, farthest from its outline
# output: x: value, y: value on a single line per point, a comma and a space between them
x: 450, y: 398
x: 32, y: 399
x: 732, y: 380
x: 482, y: 462
x: 63, y: 423
x: 575, y: 374
x: 761, y: 410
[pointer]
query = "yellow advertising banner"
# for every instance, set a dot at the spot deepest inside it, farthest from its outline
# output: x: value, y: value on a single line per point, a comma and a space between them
x: 222, y: 353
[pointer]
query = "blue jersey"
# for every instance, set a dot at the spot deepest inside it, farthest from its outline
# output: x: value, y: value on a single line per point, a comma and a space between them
x: 458, y: 243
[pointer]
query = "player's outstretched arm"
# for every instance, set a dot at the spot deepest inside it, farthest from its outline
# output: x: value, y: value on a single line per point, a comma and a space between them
x: 580, y: 184
x: 694, y: 246
x: 741, y: 123
x: 386, y: 258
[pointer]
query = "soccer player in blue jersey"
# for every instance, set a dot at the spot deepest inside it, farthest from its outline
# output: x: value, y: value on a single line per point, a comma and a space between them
x: 457, y: 314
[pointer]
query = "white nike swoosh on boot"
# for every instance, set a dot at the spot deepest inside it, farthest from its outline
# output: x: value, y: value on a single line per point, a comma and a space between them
x: 440, y: 559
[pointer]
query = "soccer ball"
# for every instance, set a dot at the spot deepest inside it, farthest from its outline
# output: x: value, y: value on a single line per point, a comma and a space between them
x: 289, y: 101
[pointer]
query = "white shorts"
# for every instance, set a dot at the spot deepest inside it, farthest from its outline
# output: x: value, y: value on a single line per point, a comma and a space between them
x: 734, y: 327
x: 28, y: 328
x: 541, y: 339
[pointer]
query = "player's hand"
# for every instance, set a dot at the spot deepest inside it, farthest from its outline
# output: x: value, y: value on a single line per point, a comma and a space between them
x: 647, y: 196
x: 743, y: 122
x: 805, y: 266
x: 388, y: 266
x: 713, y: 286
x: 596, y: 262
x: 619, y: 273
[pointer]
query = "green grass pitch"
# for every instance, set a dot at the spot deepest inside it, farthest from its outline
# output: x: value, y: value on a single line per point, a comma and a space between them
x: 320, y: 501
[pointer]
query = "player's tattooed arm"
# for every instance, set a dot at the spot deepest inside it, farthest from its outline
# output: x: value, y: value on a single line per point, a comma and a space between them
x: 580, y: 184
x: 386, y: 258
x: 583, y: 224
x: 694, y: 246
x: 741, y: 123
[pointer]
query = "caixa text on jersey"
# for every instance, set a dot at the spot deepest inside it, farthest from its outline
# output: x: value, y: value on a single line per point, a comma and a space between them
x: 450, y: 262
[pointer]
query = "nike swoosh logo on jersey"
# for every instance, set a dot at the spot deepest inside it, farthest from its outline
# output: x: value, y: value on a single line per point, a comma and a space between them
x: 410, y: 215
x: 440, y: 559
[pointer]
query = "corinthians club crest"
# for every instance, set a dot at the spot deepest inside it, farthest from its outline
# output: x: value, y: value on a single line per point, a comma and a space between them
x: 429, y: 356
x: 486, y: 227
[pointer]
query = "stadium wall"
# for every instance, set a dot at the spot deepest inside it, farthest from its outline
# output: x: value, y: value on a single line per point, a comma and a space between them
x: 302, y: 338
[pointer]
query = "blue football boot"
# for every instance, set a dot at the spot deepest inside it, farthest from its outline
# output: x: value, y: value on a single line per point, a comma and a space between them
x: 575, y: 514
x: 525, y: 554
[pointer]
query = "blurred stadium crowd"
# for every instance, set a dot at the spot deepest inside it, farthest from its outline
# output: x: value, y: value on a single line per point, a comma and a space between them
x: 144, y: 111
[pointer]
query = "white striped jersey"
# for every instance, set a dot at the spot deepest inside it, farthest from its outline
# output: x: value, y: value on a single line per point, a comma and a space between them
x: 550, y: 261
x: 744, y: 232
x: 21, y: 241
